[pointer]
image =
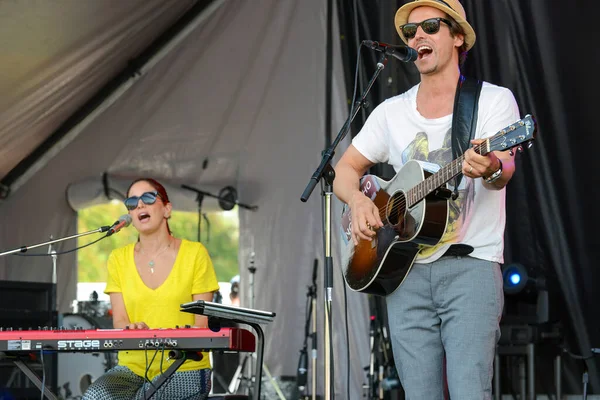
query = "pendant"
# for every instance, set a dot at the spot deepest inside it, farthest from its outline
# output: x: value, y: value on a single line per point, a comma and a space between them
x: 151, y: 265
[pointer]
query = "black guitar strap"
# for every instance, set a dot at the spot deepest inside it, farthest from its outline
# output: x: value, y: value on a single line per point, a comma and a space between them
x: 464, y: 119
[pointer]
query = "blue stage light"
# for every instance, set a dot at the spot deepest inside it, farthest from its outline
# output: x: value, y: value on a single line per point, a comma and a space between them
x: 514, y: 277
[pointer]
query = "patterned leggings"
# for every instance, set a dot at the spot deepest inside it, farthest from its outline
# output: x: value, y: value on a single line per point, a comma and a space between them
x: 120, y: 383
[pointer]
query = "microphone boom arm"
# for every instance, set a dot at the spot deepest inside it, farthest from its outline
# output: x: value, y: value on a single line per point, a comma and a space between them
x: 325, y: 170
x: 203, y: 193
x: 24, y: 249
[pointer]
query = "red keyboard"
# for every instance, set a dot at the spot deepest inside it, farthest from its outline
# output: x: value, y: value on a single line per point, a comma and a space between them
x: 94, y: 340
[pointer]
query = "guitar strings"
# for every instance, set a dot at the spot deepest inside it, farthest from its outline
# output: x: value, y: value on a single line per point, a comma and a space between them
x: 401, y: 204
x: 488, y: 144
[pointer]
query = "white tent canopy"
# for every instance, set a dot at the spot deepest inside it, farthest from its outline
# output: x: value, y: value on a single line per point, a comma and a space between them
x: 235, y: 99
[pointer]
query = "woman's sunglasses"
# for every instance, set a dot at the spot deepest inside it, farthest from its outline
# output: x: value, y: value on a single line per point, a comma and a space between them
x: 430, y: 26
x: 147, y: 198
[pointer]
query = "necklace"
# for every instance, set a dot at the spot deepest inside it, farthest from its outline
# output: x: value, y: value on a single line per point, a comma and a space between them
x: 151, y: 263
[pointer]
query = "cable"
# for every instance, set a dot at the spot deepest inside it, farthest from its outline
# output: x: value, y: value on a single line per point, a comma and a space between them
x: 148, y: 368
x: 356, y: 70
x: 43, y: 374
x: 352, y: 105
x: 60, y: 252
x: 577, y: 356
x: 585, y: 380
x: 347, y: 340
x: 162, y: 358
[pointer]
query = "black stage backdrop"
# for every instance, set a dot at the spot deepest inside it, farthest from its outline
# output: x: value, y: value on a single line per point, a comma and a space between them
x: 545, y: 51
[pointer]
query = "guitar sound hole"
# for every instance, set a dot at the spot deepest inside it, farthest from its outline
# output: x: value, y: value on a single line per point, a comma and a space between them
x: 396, y: 208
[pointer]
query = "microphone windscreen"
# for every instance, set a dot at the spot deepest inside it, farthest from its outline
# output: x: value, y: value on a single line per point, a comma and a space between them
x: 125, y: 218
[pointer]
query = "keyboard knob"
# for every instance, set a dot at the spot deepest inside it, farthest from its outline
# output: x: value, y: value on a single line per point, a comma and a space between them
x: 188, y: 326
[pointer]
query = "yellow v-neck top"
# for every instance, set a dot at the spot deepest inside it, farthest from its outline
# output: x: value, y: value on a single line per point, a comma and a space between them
x: 192, y: 273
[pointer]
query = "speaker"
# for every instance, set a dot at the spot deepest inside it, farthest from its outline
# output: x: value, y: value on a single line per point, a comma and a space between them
x: 27, y: 305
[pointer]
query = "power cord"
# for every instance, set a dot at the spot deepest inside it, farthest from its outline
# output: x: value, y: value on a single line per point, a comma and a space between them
x: 585, y: 378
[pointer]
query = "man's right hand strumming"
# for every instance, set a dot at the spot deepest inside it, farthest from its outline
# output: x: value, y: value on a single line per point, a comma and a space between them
x: 365, y: 217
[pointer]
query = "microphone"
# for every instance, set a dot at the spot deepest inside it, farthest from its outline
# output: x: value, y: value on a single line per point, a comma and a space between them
x: 402, y: 53
x: 314, y: 277
x: 122, y: 222
x: 302, y: 369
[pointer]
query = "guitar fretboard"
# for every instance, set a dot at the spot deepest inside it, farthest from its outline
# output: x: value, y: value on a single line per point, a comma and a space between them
x: 447, y: 172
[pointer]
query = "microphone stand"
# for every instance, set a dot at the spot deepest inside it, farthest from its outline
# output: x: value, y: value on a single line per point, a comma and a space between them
x: 225, y: 203
x: 311, y: 317
x: 52, y: 253
x: 326, y: 173
x: 24, y: 249
x: 222, y: 200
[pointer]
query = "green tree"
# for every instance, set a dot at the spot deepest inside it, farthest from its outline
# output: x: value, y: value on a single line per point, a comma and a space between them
x: 221, y: 240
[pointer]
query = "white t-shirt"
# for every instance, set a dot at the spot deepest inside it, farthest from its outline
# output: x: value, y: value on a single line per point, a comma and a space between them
x: 396, y: 132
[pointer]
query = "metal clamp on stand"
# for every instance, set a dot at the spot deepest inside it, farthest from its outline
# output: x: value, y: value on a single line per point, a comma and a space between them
x: 220, y: 315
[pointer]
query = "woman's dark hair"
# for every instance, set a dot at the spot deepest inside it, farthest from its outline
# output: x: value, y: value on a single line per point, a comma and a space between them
x: 456, y: 29
x: 160, y: 189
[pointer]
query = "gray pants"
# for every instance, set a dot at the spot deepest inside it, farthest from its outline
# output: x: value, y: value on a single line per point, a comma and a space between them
x: 450, y: 308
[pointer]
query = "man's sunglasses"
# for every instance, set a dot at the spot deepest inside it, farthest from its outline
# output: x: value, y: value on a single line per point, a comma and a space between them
x: 430, y: 26
x: 147, y: 198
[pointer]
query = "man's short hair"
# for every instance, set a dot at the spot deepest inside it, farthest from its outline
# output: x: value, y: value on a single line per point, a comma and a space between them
x: 456, y: 29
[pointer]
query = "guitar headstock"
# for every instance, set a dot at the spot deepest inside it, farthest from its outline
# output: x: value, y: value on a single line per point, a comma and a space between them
x: 515, y: 135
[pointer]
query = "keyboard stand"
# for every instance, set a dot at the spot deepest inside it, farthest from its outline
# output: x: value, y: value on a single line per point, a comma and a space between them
x: 180, y: 356
x: 34, y: 378
x: 220, y: 315
x: 260, y: 348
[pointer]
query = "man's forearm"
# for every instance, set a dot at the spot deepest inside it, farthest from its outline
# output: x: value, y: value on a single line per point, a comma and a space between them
x: 346, y: 183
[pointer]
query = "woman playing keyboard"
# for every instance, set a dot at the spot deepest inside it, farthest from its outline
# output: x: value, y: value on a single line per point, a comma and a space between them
x: 147, y: 282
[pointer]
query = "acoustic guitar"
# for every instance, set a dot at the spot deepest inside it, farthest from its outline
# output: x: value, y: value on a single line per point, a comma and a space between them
x: 414, y: 209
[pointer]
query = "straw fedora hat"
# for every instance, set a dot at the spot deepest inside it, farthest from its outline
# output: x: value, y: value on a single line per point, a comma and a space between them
x: 451, y: 7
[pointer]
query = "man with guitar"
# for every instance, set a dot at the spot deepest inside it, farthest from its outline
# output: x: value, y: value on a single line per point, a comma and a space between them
x: 450, y: 300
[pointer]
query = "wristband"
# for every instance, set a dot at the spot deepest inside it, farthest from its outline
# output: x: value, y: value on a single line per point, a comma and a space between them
x: 496, y: 175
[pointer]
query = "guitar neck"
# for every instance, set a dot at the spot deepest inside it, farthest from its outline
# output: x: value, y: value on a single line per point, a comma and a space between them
x: 445, y: 174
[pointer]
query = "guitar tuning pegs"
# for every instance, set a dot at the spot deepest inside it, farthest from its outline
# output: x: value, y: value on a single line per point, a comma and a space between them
x: 511, y: 152
x: 520, y: 148
x: 529, y: 145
